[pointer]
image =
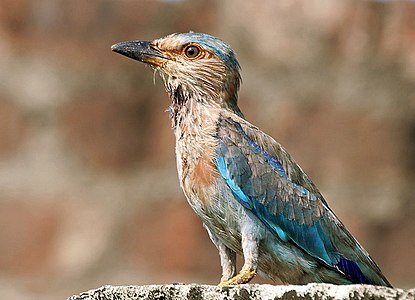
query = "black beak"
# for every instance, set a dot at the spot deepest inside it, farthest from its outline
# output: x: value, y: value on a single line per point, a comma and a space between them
x: 140, y: 50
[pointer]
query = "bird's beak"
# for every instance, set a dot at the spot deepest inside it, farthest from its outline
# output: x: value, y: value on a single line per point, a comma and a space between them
x: 142, y: 51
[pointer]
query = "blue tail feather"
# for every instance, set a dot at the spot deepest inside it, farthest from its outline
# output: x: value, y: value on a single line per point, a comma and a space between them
x: 352, y: 271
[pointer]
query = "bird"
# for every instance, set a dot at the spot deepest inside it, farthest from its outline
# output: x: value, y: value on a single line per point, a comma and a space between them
x: 252, y: 197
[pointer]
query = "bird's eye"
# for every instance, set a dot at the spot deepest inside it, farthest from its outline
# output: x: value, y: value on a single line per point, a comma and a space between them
x: 192, y: 51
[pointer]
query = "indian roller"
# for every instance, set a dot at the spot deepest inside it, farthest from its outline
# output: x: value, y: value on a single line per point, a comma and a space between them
x: 252, y: 197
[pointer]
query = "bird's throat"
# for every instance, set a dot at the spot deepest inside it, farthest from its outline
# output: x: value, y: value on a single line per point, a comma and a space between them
x: 179, y: 101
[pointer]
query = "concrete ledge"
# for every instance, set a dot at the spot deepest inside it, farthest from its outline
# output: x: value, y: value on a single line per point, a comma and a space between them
x: 242, y: 292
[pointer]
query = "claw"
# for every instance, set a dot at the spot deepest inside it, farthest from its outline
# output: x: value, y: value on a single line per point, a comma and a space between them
x: 243, y: 277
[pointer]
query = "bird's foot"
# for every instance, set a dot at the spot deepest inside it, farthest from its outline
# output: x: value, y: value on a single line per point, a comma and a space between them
x: 243, y: 277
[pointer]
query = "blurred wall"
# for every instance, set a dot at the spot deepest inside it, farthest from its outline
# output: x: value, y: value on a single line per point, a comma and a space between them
x: 88, y: 188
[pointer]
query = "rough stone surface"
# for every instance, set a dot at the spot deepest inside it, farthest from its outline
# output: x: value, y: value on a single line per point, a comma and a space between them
x: 255, y: 291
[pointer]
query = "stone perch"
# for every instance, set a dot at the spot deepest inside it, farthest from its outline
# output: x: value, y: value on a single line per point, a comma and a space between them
x: 245, y: 291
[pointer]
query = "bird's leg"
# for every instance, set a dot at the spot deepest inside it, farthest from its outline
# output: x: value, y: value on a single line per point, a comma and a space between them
x: 249, y: 269
x: 227, y: 261
x: 227, y: 257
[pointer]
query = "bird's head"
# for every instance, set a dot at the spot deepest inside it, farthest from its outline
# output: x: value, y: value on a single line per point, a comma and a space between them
x: 193, y: 65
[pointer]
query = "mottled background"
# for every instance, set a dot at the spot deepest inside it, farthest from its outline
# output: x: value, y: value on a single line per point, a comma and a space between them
x: 88, y: 187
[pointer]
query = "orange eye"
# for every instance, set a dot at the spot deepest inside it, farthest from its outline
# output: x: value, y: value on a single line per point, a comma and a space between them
x: 192, y: 51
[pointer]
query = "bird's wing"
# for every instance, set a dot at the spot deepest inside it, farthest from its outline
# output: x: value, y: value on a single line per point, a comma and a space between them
x: 267, y: 181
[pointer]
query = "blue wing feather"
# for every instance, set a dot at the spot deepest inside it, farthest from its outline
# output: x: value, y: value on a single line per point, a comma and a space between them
x: 236, y: 190
x: 285, y: 229
x: 291, y: 208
